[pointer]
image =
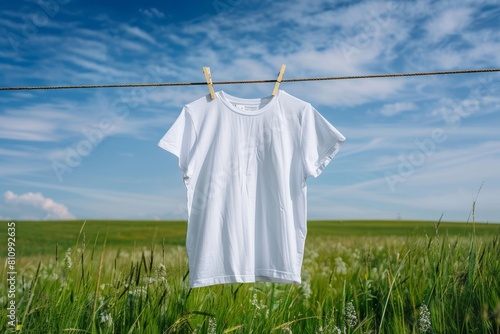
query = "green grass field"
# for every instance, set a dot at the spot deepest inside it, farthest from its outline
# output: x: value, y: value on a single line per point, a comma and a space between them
x: 41, y: 237
x: 358, y: 277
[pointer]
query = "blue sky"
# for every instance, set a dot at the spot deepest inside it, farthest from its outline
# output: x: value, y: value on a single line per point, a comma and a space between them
x: 416, y: 147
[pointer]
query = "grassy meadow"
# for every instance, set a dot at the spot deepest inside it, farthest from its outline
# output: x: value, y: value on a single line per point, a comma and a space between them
x: 358, y: 277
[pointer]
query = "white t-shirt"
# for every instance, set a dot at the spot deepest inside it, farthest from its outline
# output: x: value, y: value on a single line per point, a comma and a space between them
x: 245, y: 163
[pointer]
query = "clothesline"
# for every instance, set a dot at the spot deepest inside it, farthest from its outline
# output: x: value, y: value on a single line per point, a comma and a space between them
x: 169, y: 84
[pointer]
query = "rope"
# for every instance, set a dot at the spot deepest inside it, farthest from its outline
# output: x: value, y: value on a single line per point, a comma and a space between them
x: 370, y: 76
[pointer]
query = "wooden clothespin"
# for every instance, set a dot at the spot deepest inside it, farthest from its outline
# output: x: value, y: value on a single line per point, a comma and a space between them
x: 208, y: 78
x: 278, y: 81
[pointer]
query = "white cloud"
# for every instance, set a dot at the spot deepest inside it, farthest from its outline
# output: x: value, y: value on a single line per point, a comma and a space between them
x: 137, y: 32
x: 17, y: 128
x: 52, y: 209
x: 393, y: 109
x: 92, y: 49
x: 449, y: 22
x: 152, y: 13
x: 123, y: 204
x: 92, y: 65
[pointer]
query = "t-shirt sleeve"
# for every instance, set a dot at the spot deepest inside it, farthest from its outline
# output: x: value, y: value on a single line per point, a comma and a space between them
x: 180, y: 140
x: 320, y: 142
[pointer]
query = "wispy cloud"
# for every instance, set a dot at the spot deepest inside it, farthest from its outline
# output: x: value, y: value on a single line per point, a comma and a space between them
x: 152, y: 12
x: 396, y: 108
x: 139, y: 33
x: 450, y: 22
x: 21, y: 129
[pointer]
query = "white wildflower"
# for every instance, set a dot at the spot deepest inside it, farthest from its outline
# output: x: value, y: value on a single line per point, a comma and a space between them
x: 255, y: 301
x: 161, y: 270
x: 356, y: 254
x: 306, y: 289
x: 67, y: 259
x: 160, y: 275
x: 260, y: 306
x: 212, y: 326
x: 313, y: 254
x: 340, y: 266
x: 424, y: 319
x: 286, y: 329
x: 139, y: 292
x: 106, y: 318
x: 100, y: 300
x: 350, y: 316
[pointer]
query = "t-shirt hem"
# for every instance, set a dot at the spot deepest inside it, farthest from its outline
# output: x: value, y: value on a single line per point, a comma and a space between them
x: 327, y: 157
x: 272, y: 276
